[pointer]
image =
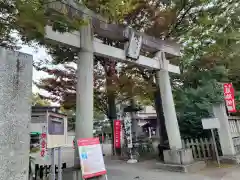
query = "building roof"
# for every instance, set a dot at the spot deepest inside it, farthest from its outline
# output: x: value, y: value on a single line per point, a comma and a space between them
x: 44, y: 109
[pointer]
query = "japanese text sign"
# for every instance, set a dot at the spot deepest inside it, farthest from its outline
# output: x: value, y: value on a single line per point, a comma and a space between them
x: 229, y: 97
x: 43, y: 144
x: 91, y: 157
x: 117, y: 133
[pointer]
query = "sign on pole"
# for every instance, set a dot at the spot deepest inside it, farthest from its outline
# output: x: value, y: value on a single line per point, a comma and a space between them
x: 117, y: 133
x: 229, y: 97
x: 91, y: 157
x: 212, y: 123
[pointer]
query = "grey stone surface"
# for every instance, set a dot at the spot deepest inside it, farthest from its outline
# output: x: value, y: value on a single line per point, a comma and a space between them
x: 15, y: 114
x: 186, y: 156
x: 180, y: 156
x: 172, y: 157
x: 189, y: 168
x: 230, y: 159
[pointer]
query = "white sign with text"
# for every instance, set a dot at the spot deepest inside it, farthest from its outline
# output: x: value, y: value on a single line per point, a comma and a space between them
x: 210, y: 123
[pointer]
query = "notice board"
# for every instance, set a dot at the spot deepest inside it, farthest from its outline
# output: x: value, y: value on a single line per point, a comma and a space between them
x: 91, y: 157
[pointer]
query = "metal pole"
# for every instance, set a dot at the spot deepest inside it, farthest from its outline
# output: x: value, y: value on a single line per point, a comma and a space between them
x: 59, y: 164
x: 102, y: 141
x: 53, y: 164
x: 215, y: 147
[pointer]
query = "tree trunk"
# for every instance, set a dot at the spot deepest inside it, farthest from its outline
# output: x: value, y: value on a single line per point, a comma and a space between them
x: 134, y: 121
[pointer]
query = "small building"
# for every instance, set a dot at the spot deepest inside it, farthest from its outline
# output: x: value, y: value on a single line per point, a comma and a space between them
x: 147, y: 120
x: 50, y: 118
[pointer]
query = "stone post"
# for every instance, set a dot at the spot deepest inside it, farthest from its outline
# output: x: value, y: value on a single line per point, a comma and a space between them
x: 84, y: 92
x: 225, y: 136
x: 15, y: 114
x: 163, y: 79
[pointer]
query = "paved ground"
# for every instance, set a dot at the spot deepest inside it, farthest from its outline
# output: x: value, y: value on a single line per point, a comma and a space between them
x: 120, y: 170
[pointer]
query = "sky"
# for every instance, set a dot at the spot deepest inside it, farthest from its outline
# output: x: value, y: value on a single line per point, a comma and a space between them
x: 38, y: 54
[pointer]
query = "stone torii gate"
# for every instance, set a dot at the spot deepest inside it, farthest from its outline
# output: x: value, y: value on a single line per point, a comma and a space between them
x: 135, y: 41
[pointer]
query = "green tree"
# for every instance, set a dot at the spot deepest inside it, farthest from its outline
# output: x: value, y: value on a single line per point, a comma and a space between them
x: 26, y: 20
x: 208, y: 54
x: 38, y: 100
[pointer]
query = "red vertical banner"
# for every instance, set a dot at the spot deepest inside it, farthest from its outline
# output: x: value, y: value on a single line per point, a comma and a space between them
x: 43, y: 144
x: 117, y: 133
x: 229, y: 97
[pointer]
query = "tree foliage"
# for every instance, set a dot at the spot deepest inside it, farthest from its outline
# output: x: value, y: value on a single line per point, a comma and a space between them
x: 37, y: 100
x: 28, y: 19
x: 209, y: 54
x: 206, y: 29
x: 61, y: 85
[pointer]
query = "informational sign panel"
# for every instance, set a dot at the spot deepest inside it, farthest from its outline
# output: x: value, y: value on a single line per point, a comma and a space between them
x: 55, y: 125
x: 117, y: 133
x: 57, y: 130
x: 229, y: 97
x: 91, y: 157
x: 210, y: 123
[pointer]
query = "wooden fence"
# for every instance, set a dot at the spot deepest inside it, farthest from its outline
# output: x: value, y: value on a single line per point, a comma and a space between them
x: 234, y: 125
x: 202, y: 148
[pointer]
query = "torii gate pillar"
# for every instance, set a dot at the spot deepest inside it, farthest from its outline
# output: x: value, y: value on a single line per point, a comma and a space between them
x: 84, y: 92
x: 177, y: 158
x: 169, y: 111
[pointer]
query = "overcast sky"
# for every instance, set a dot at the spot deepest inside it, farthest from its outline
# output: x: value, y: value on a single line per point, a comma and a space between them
x: 38, y: 54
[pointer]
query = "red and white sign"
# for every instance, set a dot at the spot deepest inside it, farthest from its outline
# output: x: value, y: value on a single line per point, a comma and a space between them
x: 43, y: 144
x: 91, y: 157
x: 229, y: 97
x: 117, y: 133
